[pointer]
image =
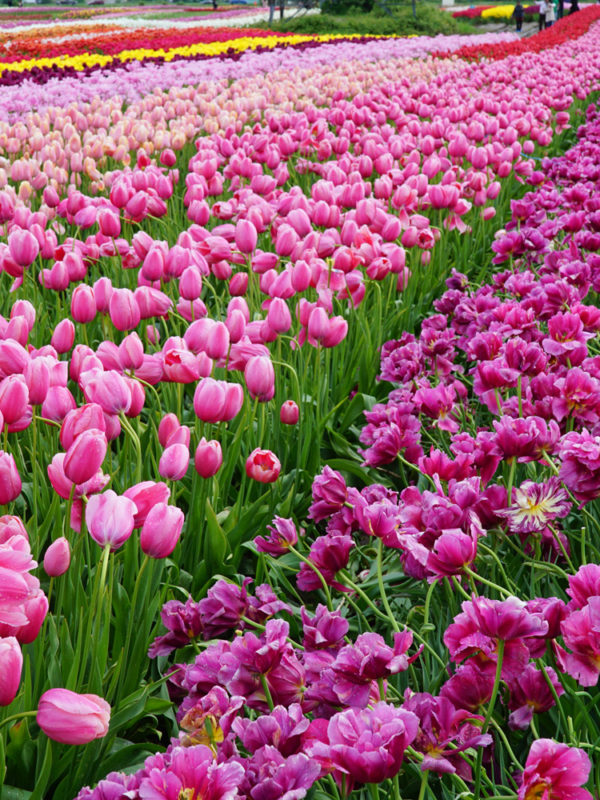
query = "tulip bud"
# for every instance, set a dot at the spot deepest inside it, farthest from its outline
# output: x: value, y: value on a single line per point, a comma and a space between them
x: 263, y: 466
x: 10, y: 481
x: 11, y: 664
x: 64, y: 336
x: 57, y: 557
x: 72, y: 718
x: 208, y: 458
x: 161, y: 530
x: 83, y: 303
x: 289, y: 412
x: 260, y: 378
x: 85, y: 456
x: 245, y: 236
x: 146, y: 495
x: 174, y: 462
x: 110, y: 518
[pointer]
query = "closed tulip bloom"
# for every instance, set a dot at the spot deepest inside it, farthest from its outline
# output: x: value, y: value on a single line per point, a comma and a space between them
x: 79, y: 420
x: 57, y: 403
x: 109, y: 223
x: 83, y: 304
x: 146, y: 495
x: 263, y: 466
x: 260, y: 378
x: 37, y: 378
x: 217, y: 341
x: 131, y: 352
x: 63, y: 337
x: 190, y: 283
x: 174, y: 462
x: 278, y: 315
x: 72, y: 718
x: 23, y: 247
x: 10, y: 481
x: 208, y: 458
x: 110, y: 391
x: 289, y: 412
x: 14, y: 398
x: 167, y: 427
x: 103, y: 290
x: 217, y: 401
x: 124, y: 310
x: 57, y: 558
x: 318, y: 325
x: 161, y: 530
x: 110, y: 518
x: 85, y: 456
x: 246, y: 236
x: 11, y: 664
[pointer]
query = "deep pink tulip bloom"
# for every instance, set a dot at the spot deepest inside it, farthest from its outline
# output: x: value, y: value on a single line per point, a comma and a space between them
x: 110, y: 518
x: 289, y: 412
x: 263, y: 466
x: 83, y: 304
x: 246, y: 236
x: 146, y: 495
x: 63, y: 337
x: 85, y: 455
x: 217, y: 401
x: 283, y: 534
x: 57, y: 557
x: 23, y: 247
x: 174, y: 462
x: 260, y: 378
x: 11, y: 665
x: 72, y: 718
x: 110, y: 391
x: 14, y: 398
x: 10, y: 481
x: 555, y: 771
x: 124, y: 310
x: 161, y: 530
x: 81, y: 419
x: 37, y: 378
x: 208, y: 458
x: 367, y: 745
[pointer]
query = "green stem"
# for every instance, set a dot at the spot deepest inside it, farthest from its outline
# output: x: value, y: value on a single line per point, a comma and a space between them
x: 20, y: 715
x: 488, y: 717
x: 382, y: 591
x: 267, y: 691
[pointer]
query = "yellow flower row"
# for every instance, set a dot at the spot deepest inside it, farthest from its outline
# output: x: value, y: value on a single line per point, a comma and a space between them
x: 84, y: 60
x: 498, y: 12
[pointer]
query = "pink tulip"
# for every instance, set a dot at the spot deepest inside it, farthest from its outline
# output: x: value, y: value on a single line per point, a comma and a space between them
x: 217, y: 401
x: 57, y: 557
x: 79, y: 420
x: 37, y: 378
x: 72, y: 718
x: 161, y: 530
x: 57, y: 403
x: 110, y: 391
x: 110, y: 518
x: 124, y: 310
x: 190, y: 284
x: 167, y: 427
x: 208, y: 458
x: 263, y: 466
x: 146, y: 495
x: 10, y: 482
x: 260, y: 378
x: 11, y: 665
x: 289, y: 412
x: 174, y: 462
x: 131, y: 352
x: 23, y: 247
x: 245, y: 236
x: 64, y: 336
x: 85, y: 456
x: 14, y: 398
x: 109, y: 223
x: 83, y: 304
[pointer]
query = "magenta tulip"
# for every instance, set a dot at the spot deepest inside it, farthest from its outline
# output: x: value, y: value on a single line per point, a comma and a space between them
x: 85, y: 455
x: 57, y: 557
x: 208, y: 458
x: 263, y: 466
x: 10, y: 481
x: 11, y: 664
x: 110, y: 518
x: 161, y: 530
x: 72, y: 718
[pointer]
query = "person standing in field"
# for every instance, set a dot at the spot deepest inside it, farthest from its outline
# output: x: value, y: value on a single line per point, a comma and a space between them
x: 518, y: 15
x: 543, y: 9
x: 550, y: 14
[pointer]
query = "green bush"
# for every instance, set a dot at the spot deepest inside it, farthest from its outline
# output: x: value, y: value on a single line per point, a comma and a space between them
x: 429, y: 21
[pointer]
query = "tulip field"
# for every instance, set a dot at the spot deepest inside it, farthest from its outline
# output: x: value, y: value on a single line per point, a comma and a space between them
x: 299, y: 412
